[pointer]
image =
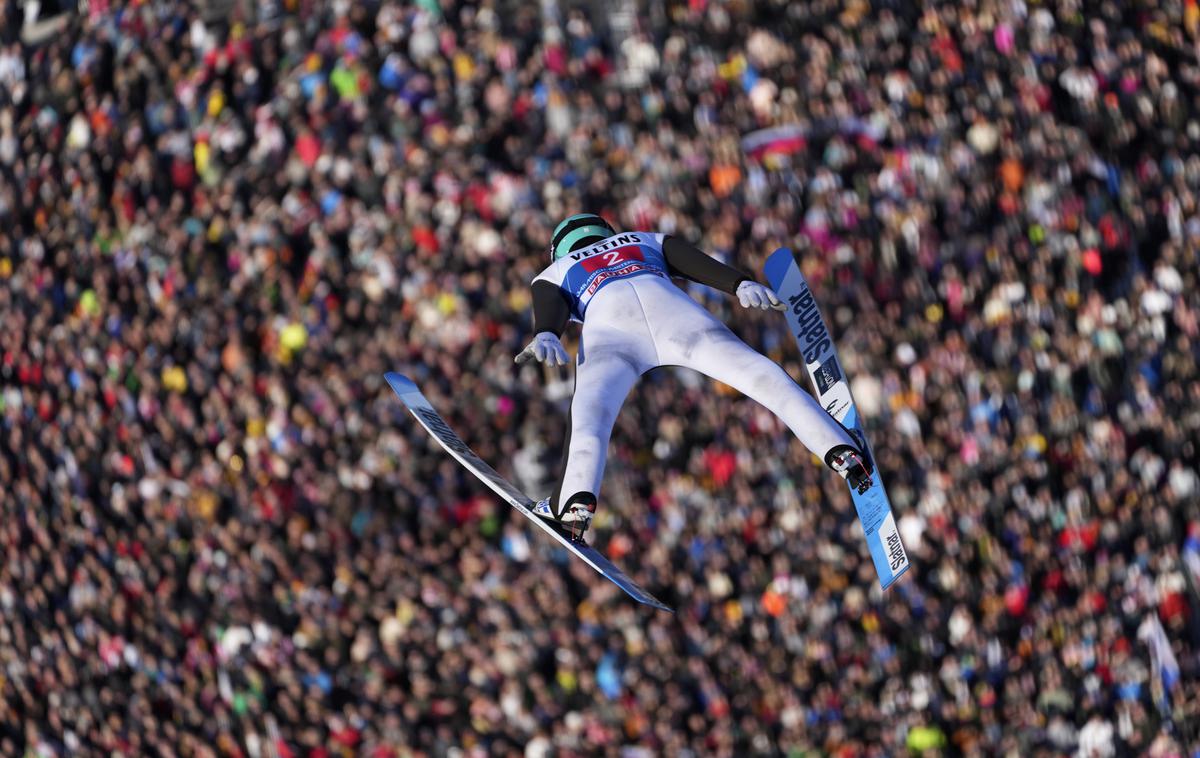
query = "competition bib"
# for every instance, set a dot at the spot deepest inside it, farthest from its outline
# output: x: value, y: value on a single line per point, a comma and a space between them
x: 585, y: 272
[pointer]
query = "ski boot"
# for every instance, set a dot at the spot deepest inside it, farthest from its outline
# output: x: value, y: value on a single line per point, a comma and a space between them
x: 852, y: 465
x: 574, y: 517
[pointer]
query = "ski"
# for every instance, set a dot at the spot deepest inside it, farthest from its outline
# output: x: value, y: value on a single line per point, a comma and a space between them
x: 433, y: 422
x: 833, y: 392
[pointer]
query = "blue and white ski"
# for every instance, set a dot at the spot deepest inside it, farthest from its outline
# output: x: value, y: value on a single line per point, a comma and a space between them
x: 833, y: 392
x: 441, y: 431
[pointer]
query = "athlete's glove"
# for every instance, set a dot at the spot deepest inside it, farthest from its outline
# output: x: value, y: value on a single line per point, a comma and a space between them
x: 546, y: 348
x: 754, y: 295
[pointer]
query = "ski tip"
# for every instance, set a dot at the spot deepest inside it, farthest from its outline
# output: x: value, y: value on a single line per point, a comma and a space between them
x: 895, y: 576
x: 645, y: 598
x: 636, y: 592
x: 610, y: 572
x: 400, y: 383
x: 777, y: 265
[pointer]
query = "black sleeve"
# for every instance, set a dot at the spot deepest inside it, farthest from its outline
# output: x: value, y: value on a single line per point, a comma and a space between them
x: 692, y: 263
x: 551, y: 311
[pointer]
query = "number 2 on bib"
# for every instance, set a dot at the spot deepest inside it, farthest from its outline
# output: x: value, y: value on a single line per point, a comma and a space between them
x: 620, y: 256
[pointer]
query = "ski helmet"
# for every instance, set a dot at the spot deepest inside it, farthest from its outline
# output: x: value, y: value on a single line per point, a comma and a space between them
x: 578, y: 231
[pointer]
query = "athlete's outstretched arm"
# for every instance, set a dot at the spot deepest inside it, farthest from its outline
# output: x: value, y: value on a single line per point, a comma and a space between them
x: 692, y: 263
x: 551, y: 313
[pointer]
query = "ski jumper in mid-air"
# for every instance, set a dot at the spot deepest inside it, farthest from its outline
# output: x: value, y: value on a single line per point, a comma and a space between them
x: 635, y: 319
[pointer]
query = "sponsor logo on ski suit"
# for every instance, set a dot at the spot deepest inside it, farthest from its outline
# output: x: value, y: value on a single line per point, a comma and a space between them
x: 585, y: 272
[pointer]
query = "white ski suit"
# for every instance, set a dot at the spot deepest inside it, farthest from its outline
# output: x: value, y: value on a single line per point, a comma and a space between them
x: 635, y: 319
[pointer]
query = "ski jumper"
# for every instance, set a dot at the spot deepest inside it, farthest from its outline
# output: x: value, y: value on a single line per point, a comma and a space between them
x: 635, y: 319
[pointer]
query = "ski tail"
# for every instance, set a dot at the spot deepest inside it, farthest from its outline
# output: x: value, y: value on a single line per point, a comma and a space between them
x: 437, y: 427
x: 832, y: 388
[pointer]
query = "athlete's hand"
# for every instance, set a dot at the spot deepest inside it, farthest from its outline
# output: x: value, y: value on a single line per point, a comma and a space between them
x: 754, y: 295
x: 545, y: 348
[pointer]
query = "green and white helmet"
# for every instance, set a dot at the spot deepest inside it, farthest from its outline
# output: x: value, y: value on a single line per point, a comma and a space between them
x: 578, y: 231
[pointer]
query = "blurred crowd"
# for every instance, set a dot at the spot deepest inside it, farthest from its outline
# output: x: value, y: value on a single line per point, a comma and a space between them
x: 221, y: 223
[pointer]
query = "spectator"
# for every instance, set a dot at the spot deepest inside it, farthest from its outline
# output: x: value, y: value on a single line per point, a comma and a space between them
x: 222, y: 536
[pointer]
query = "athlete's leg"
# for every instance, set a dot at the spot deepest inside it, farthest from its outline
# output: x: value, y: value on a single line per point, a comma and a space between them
x: 615, y: 349
x: 693, y: 338
x: 604, y: 375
